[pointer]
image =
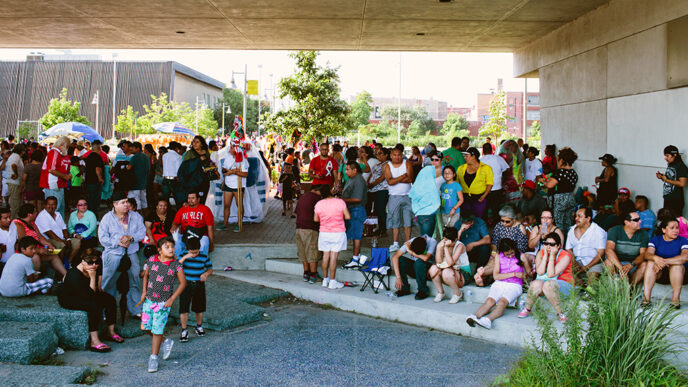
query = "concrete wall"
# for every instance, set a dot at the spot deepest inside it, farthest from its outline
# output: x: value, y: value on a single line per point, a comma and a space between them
x: 186, y: 89
x: 604, y: 89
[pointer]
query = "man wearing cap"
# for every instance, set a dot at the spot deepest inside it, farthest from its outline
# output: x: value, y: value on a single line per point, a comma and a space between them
x: 473, y: 233
x: 14, y: 169
x: 530, y: 204
x: 675, y: 179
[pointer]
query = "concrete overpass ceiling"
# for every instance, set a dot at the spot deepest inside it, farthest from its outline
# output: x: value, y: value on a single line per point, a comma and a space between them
x: 423, y: 25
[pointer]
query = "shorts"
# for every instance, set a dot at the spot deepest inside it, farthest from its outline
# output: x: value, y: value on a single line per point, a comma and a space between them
x: 598, y: 268
x: 565, y: 288
x: 399, y: 211
x: 633, y: 269
x: 225, y: 188
x: 154, y: 317
x: 332, y: 241
x: 450, y: 220
x: 354, y: 226
x: 34, y: 195
x: 140, y: 196
x: 506, y: 290
x: 193, y: 295
x: 307, y: 245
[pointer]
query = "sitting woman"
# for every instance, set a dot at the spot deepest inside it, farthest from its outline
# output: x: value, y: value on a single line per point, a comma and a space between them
x: 83, y: 225
x: 538, y: 233
x: 25, y: 226
x: 451, y: 264
x: 81, y: 291
x: 665, y: 257
x: 508, y: 274
x: 554, y: 278
x: 159, y: 222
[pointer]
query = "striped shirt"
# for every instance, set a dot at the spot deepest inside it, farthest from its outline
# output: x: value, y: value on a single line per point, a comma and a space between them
x: 195, y: 266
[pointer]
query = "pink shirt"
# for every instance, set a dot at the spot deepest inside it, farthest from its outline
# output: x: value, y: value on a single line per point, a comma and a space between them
x: 331, y: 215
x: 510, y: 265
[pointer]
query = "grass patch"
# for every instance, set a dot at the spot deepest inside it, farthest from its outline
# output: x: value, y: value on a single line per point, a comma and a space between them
x: 91, y: 377
x: 50, y: 361
x: 612, y: 342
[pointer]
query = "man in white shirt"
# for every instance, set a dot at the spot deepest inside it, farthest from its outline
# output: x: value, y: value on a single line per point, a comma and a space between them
x: 496, y: 198
x: 14, y: 170
x: 232, y: 170
x: 51, y: 225
x: 7, y: 237
x: 586, y: 243
x: 170, y: 165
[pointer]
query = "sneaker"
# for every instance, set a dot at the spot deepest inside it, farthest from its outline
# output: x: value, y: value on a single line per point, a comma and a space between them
x: 326, y: 282
x: 184, y: 337
x: 421, y: 295
x: 312, y: 279
x: 562, y: 317
x: 402, y: 293
x: 334, y: 284
x: 456, y: 298
x: 153, y: 364
x: 472, y: 320
x: 222, y: 227
x: 352, y: 264
x: 485, y: 322
x: 236, y: 228
x: 394, y: 247
x: 200, y: 331
x: 439, y: 297
x: 524, y: 313
x: 306, y: 277
x: 166, y: 348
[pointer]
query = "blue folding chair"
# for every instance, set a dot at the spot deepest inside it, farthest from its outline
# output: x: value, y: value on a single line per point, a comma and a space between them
x: 377, y: 269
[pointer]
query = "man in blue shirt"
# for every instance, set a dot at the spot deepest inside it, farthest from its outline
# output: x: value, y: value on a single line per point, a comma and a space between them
x: 473, y: 233
x: 648, y: 219
x: 197, y: 268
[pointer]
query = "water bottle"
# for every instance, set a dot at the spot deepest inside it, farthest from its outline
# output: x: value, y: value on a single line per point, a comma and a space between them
x: 391, y: 295
x: 468, y: 296
x: 521, y: 303
x: 374, y: 242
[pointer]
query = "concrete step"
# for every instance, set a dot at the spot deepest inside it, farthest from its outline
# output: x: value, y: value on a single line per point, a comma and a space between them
x: 22, y: 375
x: 26, y: 341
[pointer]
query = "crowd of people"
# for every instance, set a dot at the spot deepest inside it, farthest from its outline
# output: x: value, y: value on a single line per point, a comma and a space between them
x: 138, y: 222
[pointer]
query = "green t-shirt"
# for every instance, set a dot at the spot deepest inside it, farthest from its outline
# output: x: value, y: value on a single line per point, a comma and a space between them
x: 453, y: 157
x: 76, y: 179
x: 342, y: 171
x: 627, y: 249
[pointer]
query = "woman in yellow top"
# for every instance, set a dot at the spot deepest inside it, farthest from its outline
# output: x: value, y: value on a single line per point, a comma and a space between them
x: 476, y: 182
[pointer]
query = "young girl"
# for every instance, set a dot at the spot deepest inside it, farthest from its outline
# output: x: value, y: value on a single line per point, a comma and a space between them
x: 451, y: 265
x: 451, y: 195
x: 287, y: 181
x: 508, y: 274
x: 157, y: 297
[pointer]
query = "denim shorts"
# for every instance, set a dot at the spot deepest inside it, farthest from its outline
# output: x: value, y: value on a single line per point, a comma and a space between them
x: 565, y: 288
x: 354, y: 226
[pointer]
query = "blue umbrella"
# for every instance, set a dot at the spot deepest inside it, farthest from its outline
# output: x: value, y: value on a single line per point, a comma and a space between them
x: 76, y: 129
x: 173, y: 128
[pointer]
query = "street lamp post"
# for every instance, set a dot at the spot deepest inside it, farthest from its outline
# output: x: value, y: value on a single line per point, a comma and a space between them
x: 97, y: 103
x: 114, y: 93
x: 228, y: 111
x: 260, y: 75
x: 234, y: 86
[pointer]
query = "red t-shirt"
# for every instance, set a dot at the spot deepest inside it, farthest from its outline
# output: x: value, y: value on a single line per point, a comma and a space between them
x: 197, y: 217
x: 54, y: 160
x: 326, y: 168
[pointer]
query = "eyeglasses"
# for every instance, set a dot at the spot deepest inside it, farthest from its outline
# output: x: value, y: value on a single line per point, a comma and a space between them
x: 549, y: 244
x: 635, y: 219
x: 435, y: 159
x: 545, y: 217
x: 506, y: 221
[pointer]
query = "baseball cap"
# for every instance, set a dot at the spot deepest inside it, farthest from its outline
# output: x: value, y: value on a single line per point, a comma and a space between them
x: 608, y: 158
x: 624, y: 190
x: 473, y: 151
x: 670, y: 150
x: 529, y: 184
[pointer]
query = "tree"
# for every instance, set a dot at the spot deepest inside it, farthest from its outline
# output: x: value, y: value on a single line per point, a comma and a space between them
x: 62, y: 110
x: 496, y: 125
x: 455, y: 126
x: 415, y: 121
x: 534, y: 135
x: 235, y: 100
x: 318, y: 110
x: 360, y: 110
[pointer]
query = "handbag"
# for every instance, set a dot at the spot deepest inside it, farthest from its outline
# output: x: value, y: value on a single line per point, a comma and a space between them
x: 124, y: 263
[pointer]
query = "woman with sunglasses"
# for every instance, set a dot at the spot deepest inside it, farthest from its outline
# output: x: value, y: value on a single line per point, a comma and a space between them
x: 81, y: 290
x: 82, y: 227
x: 554, y: 276
x: 538, y: 233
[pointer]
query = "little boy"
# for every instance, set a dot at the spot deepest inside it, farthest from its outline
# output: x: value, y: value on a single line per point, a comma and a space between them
x: 19, y: 277
x: 197, y: 268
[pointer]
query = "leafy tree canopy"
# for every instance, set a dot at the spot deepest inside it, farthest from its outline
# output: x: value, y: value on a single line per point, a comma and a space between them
x: 360, y: 110
x: 235, y: 100
x: 496, y: 126
x: 455, y: 126
x: 62, y: 110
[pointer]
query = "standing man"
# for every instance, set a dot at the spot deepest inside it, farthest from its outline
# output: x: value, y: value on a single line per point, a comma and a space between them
x: 195, y: 220
x: 465, y: 143
x: 323, y: 169
x: 625, y: 251
x: 399, y: 174
x: 355, y: 194
x: 55, y: 172
x: 14, y: 168
x: 586, y: 242
x: 496, y: 198
x: 140, y: 164
x: 307, y: 233
x: 170, y: 165
x: 453, y: 156
x: 95, y: 177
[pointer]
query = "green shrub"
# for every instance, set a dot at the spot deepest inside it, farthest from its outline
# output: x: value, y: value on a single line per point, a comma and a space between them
x: 611, y: 342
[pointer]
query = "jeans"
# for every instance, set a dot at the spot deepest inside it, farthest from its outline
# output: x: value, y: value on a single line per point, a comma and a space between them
x: 417, y: 269
x: 426, y: 224
x: 380, y: 199
x: 93, y: 197
x: 168, y: 188
x: 110, y: 276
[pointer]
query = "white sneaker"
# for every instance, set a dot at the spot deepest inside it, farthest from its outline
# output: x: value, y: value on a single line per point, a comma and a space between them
x: 439, y: 297
x: 353, y: 264
x: 471, y: 320
x: 485, y: 322
x: 153, y: 364
x: 326, y: 282
x: 334, y: 284
x: 394, y: 247
x: 167, y: 348
x: 455, y: 298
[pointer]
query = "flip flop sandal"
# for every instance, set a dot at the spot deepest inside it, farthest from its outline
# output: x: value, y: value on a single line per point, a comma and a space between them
x: 116, y: 338
x: 102, y: 347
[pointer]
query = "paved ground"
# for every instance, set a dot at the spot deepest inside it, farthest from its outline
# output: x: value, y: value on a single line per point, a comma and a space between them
x: 308, y: 345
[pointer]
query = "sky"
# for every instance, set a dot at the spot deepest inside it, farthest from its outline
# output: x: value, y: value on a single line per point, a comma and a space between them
x: 452, y: 77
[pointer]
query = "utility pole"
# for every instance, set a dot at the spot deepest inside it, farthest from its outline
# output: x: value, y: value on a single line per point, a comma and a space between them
x: 97, y: 103
x: 260, y: 75
x: 399, y: 107
x: 114, y: 93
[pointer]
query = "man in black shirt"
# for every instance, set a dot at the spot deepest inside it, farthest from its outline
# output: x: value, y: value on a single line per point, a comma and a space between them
x: 95, y: 171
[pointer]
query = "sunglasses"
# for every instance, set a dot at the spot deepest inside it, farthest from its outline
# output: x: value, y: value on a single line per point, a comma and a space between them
x: 552, y: 244
x: 435, y: 159
x: 90, y: 261
x: 506, y: 221
x: 635, y: 219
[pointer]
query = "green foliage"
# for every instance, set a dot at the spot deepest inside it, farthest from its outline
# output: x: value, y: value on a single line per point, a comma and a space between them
x: 235, y: 100
x: 612, y: 342
x: 62, y: 110
x: 162, y: 109
x: 534, y: 135
x: 318, y: 110
x: 27, y: 130
x: 360, y: 110
x: 415, y: 121
x: 455, y: 126
x: 496, y: 126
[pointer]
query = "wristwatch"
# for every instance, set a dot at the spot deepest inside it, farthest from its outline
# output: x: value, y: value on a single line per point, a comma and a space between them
x: 633, y: 264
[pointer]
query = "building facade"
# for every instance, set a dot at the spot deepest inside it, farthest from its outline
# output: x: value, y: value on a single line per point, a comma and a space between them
x: 26, y: 88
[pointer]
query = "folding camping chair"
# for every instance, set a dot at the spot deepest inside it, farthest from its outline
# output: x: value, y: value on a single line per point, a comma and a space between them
x: 377, y: 269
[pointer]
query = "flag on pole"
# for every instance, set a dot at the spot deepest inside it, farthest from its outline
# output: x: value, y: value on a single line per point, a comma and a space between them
x: 238, y: 134
x: 252, y: 87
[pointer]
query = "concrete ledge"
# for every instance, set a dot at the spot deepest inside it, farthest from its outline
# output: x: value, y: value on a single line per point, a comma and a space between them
x: 25, y: 342
x: 249, y: 256
x: 71, y: 326
x: 23, y: 375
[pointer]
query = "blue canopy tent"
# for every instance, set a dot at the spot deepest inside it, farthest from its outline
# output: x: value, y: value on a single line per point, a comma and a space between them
x: 74, y: 129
